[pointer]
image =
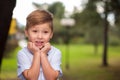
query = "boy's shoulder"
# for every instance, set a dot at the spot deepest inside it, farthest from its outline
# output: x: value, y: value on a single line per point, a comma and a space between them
x: 23, y: 50
x: 54, y: 48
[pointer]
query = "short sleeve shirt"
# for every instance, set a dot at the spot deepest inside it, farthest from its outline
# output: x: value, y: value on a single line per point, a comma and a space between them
x: 25, y: 57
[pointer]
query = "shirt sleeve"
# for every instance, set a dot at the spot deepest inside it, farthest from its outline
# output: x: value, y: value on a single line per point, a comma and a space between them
x: 23, y: 63
x: 56, y: 62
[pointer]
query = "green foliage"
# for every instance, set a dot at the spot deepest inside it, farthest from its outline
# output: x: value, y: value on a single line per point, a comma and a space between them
x: 90, y: 23
x: 114, y: 7
x: 57, y: 9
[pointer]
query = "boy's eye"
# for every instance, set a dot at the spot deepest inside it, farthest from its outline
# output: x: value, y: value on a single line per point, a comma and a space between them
x: 45, y: 31
x: 34, y: 30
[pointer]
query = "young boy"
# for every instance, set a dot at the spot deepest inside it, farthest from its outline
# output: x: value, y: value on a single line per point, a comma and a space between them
x: 39, y: 60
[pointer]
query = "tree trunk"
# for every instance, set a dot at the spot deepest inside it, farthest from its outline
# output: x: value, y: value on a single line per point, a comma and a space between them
x: 6, y: 10
x: 105, y: 63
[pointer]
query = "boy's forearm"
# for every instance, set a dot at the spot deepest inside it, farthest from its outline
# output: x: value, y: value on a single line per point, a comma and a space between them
x: 49, y: 72
x: 33, y: 72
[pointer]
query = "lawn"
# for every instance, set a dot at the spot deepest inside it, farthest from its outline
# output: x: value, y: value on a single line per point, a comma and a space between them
x: 83, y: 63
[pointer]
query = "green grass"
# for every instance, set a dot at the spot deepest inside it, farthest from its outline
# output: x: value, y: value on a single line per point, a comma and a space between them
x: 84, y: 64
x: 9, y: 66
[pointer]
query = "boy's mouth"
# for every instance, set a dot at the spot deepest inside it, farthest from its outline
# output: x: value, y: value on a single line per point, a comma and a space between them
x: 39, y: 43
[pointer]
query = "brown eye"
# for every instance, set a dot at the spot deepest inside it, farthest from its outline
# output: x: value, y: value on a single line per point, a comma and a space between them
x: 45, y: 31
x: 34, y: 30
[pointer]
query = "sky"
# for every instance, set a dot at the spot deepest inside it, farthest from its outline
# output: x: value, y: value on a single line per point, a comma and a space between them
x: 24, y: 7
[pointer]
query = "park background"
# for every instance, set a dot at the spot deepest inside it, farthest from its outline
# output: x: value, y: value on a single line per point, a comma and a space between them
x: 88, y: 37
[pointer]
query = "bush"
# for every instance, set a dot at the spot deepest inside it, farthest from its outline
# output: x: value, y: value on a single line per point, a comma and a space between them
x: 10, y: 46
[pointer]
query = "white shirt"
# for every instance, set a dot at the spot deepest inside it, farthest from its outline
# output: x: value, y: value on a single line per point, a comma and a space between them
x: 25, y: 57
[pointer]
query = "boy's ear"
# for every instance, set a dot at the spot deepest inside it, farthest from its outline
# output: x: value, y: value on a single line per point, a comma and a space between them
x: 51, y: 36
x: 26, y: 33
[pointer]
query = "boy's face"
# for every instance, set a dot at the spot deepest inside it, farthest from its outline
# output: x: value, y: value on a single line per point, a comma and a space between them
x: 39, y: 34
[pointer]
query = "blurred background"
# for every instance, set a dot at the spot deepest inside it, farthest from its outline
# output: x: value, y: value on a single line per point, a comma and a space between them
x: 86, y: 31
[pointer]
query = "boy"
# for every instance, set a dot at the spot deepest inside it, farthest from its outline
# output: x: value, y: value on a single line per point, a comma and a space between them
x: 39, y: 60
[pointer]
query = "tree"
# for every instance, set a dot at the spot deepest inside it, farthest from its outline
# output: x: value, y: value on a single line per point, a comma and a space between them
x: 6, y: 9
x: 115, y: 9
x: 106, y: 24
x: 57, y: 9
x: 111, y: 6
x: 86, y: 19
x: 91, y: 22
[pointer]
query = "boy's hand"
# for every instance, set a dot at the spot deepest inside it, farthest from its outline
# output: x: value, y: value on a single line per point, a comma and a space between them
x: 46, y: 48
x: 31, y: 46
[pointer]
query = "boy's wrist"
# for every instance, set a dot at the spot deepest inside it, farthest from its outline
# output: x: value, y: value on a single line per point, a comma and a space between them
x: 36, y: 54
x: 43, y: 54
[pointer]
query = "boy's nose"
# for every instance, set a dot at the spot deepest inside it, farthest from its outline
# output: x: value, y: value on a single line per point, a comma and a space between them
x: 40, y: 35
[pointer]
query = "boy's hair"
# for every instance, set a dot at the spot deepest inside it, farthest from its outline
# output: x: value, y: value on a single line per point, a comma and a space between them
x: 39, y: 17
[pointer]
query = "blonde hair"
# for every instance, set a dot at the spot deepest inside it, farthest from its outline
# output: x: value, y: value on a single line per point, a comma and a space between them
x: 39, y: 17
